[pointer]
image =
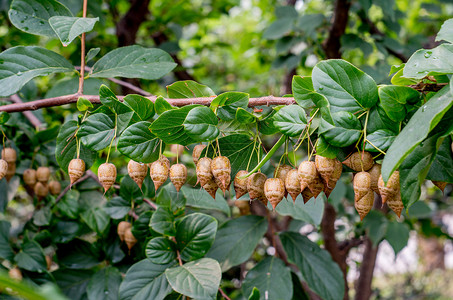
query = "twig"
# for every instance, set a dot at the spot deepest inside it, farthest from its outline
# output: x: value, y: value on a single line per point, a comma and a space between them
x: 68, y: 99
x: 83, y: 178
x: 28, y: 114
x: 133, y: 214
x: 179, y: 257
x: 82, y: 52
x: 150, y: 203
x: 223, y: 294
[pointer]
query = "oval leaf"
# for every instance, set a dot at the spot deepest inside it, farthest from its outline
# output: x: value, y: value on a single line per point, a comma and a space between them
x: 379, y: 140
x: 104, y: 284
x: 97, y: 131
x: 201, y: 124
x: 344, y: 131
x: 394, y: 98
x: 188, y: 89
x: 303, y: 91
x: 139, y: 144
x: 429, y: 62
x: 290, y: 120
x: 162, y: 222
x: 161, y: 250
x: 68, y: 28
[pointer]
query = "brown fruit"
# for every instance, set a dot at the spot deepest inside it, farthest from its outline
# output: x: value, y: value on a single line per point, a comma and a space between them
x: 76, y: 169
x: 121, y: 229
x: 307, y: 174
x: 129, y: 238
x: 3, y: 168
x: 240, y: 185
x: 204, y: 173
x: 317, y: 188
x: 325, y: 167
x: 165, y: 161
x: 41, y: 190
x: 197, y: 152
x: 178, y: 175
x: 391, y: 189
x: 274, y: 190
x: 364, y: 204
x: 15, y: 274
x: 255, y: 185
x: 11, y: 171
x: 362, y: 185
x: 54, y: 187
x: 48, y: 261
x: 43, y: 174
x: 292, y: 184
x: 9, y: 154
x: 281, y: 172
x: 244, y: 207
x: 360, y: 161
x: 159, y: 173
x: 396, y: 204
x: 211, y: 187
x: 30, y: 177
x: 221, y: 170
x: 177, y: 149
x: 107, y: 175
x: 334, y: 177
x: 375, y: 172
x: 440, y: 184
x: 137, y: 171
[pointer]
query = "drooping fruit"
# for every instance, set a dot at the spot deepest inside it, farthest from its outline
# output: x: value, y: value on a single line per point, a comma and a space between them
x: 76, y: 169
x: 211, y: 187
x: 375, y: 173
x: 316, y: 188
x: 391, y: 189
x: 159, y: 173
x: 240, y: 185
x: 137, y: 171
x: 334, y: 177
x: 43, y: 174
x: 107, y: 175
x: 9, y: 154
x: 178, y: 175
x: 41, y: 190
x: 165, y: 161
x: 204, y: 173
x: 48, y: 261
x: 221, y: 169
x: 440, y: 184
x: 361, y: 184
x: 325, y: 167
x: 177, y: 149
x: 396, y: 204
x: 129, y: 238
x: 197, y: 152
x: 307, y: 174
x: 360, y: 161
x: 292, y: 184
x: 30, y: 177
x: 121, y: 229
x: 3, y: 168
x: 11, y: 171
x: 244, y: 207
x: 274, y: 190
x: 281, y: 172
x: 55, y: 187
x: 15, y: 274
x: 364, y: 204
x: 255, y: 187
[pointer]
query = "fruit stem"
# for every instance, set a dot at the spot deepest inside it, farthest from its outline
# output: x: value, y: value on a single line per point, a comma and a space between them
x: 218, y: 146
x: 82, y: 52
x: 114, y: 136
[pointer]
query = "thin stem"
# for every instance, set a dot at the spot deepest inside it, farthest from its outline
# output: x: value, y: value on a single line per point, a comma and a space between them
x: 82, y: 52
x: 223, y: 294
x: 114, y: 136
x: 383, y: 152
x: 218, y: 146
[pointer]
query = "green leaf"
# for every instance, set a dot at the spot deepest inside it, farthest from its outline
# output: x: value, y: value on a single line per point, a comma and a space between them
x: 394, y: 98
x: 430, y: 62
x: 4, y: 117
x: 66, y: 148
x: 32, y: 16
x: 323, y: 148
x: 145, y: 280
x: 31, y: 257
x: 169, y: 198
x: 199, y: 198
x: 345, y: 87
x: 96, y: 219
x: 129, y: 190
x: 68, y: 28
x: 446, y: 32
x: 378, y: 120
x: 161, y: 251
x: 139, y: 144
x: 42, y: 216
x: 73, y: 283
x: 188, y: 89
x: 236, y: 240
x: 198, y: 279
x: 92, y: 54
x: 303, y: 91
x: 268, y: 155
x: 345, y: 130
x: 141, y: 229
x: 104, y: 285
x: 397, y: 235
x: 255, y: 294
x: 290, y: 120
x: 201, y: 124
x: 169, y: 126
x: 310, y: 212
x: 13, y: 289
x: 398, y: 79
x: 244, y: 116
x: 19, y: 65
x: 162, y: 221
x: 134, y: 62
x: 271, y: 277
x: 117, y: 208
x: 375, y: 224
x: 162, y: 105
x: 124, y: 113
x: 227, y: 103
x: 78, y: 254
x: 195, y: 234
x: 416, y: 130
x: 142, y: 107
x: 442, y: 166
x: 97, y: 132
x: 321, y: 273
x: 278, y: 29
x: 381, y: 139
x: 83, y: 104
x: 6, y: 252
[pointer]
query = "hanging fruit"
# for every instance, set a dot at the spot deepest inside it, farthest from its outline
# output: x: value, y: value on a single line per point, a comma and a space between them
x: 274, y: 190
x: 240, y: 185
x: 197, y: 152
x: 391, y: 189
x: 159, y: 173
x: 107, y: 175
x: 178, y: 175
x: 221, y: 170
x: 360, y: 161
x: 307, y: 174
x: 203, y: 170
x: 30, y: 177
x: 121, y: 229
x: 76, y: 169
x: 137, y: 171
x: 292, y: 184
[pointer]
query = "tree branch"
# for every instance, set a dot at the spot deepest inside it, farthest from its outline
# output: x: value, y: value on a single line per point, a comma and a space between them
x: 82, y: 52
x: 340, y: 18
x: 28, y: 114
x: 68, y: 99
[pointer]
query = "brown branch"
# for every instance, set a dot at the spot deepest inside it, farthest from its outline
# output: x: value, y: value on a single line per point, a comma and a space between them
x: 82, y: 52
x: 340, y: 18
x: 150, y: 203
x: 83, y: 178
x: 28, y: 114
x: 223, y: 294
x: 68, y: 99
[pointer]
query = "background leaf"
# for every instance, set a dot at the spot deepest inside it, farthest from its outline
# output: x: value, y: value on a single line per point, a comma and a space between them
x: 104, y: 284
x: 68, y: 28
x: 397, y: 235
x: 188, y: 89
x: 31, y: 257
x: 442, y: 165
x: 161, y: 251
